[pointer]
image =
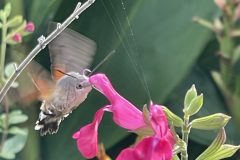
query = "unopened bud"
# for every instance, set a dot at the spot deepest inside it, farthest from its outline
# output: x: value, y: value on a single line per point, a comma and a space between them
x: 195, y: 106
x: 30, y: 27
x: 212, y: 122
x: 190, y: 95
x: 220, y: 3
x: 17, y: 38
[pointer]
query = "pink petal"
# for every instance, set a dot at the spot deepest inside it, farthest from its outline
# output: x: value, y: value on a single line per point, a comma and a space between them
x: 158, y: 120
x: 103, y: 85
x: 87, y: 136
x: 151, y: 148
x: 125, y: 114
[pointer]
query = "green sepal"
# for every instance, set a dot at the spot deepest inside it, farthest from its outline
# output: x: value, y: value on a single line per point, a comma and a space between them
x: 215, y: 146
x: 15, y: 21
x: 211, y: 122
x: 173, y: 118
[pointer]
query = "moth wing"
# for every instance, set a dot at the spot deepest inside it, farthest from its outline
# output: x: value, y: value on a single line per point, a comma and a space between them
x: 70, y: 51
x: 42, y: 80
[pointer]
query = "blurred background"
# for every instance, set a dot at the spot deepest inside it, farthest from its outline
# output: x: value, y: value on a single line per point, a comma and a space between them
x: 162, y: 51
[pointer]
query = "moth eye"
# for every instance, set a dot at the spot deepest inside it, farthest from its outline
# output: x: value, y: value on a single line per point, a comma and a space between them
x: 79, y: 86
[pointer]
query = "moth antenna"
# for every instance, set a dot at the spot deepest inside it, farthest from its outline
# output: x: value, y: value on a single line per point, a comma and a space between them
x: 101, y: 63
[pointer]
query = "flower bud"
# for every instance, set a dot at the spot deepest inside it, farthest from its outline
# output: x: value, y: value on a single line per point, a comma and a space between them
x: 30, y: 27
x: 190, y: 95
x: 17, y: 38
x: 214, y: 121
x: 194, y: 106
x: 220, y: 3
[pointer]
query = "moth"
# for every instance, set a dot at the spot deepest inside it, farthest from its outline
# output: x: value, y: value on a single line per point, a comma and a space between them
x: 67, y: 86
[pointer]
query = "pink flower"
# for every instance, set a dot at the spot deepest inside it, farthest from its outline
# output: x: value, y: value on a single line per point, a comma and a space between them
x: 30, y: 27
x: 150, y: 148
x: 127, y: 116
x: 87, y: 137
x: 156, y: 147
x: 17, y: 37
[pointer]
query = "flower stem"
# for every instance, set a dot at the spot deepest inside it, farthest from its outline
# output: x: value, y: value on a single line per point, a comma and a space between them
x: 185, y: 134
x: 3, y: 49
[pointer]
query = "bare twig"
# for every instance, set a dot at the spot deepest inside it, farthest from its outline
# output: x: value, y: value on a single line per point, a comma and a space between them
x: 42, y: 42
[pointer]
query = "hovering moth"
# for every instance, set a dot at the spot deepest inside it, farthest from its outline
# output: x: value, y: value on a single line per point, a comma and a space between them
x: 67, y: 86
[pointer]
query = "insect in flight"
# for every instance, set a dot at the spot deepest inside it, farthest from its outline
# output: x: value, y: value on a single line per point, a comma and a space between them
x: 65, y: 89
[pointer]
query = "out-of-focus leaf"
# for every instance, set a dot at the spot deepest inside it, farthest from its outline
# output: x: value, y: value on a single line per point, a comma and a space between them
x: 7, y: 155
x: 47, y: 8
x: 18, y: 131
x: 16, y: 117
x: 9, y: 70
x: 13, y: 145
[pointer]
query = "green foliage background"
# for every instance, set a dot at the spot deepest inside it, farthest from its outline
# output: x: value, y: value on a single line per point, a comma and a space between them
x: 171, y: 50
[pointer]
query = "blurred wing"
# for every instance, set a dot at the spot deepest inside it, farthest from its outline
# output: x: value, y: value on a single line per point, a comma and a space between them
x: 42, y: 79
x: 70, y: 51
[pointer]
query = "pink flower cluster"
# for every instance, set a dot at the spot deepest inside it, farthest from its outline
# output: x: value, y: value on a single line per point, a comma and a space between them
x: 29, y: 27
x: 159, y: 145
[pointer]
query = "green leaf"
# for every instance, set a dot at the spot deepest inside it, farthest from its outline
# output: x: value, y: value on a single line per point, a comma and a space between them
x: 211, y: 122
x: 190, y: 95
x: 15, y: 21
x: 7, y: 9
x: 195, y: 106
x: 14, y: 144
x: 215, y: 146
x: 45, y: 10
x: 18, y: 131
x: 176, y: 121
x: 16, y: 117
x: 0, y: 25
x: 7, y: 155
x: 9, y: 69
